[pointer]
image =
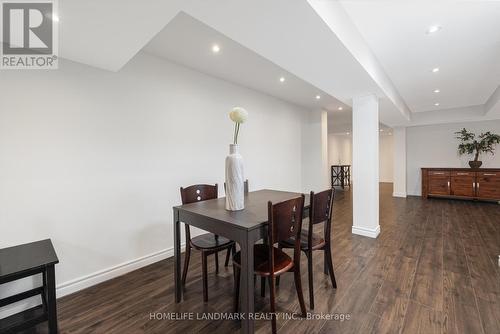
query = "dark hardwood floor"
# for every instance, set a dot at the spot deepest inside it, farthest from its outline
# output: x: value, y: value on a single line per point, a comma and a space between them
x: 433, y: 269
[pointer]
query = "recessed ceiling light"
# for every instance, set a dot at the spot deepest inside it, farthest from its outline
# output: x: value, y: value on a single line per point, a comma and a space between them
x: 433, y: 29
x: 282, y: 79
x: 340, y: 108
x: 435, y: 69
x: 347, y: 133
x: 318, y: 97
x: 215, y: 48
x: 436, y: 91
x: 436, y: 104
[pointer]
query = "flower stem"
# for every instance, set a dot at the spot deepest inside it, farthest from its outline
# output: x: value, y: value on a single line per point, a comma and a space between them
x: 237, y: 132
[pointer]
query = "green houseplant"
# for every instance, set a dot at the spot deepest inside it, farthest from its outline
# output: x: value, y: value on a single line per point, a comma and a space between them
x: 484, y: 143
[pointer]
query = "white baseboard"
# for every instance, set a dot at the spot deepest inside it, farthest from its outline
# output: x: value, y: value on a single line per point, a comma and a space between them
x: 100, y: 276
x: 97, y: 277
x: 398, y: 194
x: 366, y: 232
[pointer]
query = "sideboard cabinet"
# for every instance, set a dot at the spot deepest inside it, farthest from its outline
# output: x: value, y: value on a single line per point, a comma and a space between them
x: 465, y: 183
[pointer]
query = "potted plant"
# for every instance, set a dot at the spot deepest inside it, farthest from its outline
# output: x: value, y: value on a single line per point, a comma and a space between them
x: 485, y: 143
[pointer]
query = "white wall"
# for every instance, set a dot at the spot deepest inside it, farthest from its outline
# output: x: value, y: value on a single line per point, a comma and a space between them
x: 340, y: 151
x: 436, y: 146
x: 94, y: 160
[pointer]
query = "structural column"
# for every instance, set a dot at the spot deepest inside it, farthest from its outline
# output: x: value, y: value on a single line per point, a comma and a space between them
x: 399, y: 136
x: 365, y: 163
x: 315, y: 171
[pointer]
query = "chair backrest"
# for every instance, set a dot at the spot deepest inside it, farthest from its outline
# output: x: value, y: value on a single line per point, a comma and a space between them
x: 321, y: 212
x: 199, y: 192
x: 285, y: 221
x: 245, y: 185
x: 321, y: 206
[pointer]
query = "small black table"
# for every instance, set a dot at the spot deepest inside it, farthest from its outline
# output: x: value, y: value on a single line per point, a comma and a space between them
x: 23, y: 261
x: 341, y: 175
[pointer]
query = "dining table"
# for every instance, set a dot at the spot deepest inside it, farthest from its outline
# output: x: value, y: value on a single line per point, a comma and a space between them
x: 245, y: 227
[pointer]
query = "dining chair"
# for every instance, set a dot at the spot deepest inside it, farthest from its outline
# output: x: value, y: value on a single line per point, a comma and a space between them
x: 285, y: 221
x: 207, y: 243
x: 320, y: 212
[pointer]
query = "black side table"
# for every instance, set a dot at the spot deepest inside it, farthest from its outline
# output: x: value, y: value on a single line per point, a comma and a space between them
x: 27, y: 260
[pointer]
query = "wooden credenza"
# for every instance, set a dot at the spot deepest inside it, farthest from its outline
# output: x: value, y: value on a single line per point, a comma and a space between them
x: 465, y: 183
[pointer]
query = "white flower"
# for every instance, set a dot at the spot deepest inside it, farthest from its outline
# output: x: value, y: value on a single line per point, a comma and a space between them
x: 238, y: 115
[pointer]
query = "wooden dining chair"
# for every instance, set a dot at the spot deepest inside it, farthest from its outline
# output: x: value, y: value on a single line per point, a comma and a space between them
x: 320, y: 212
x: 207, y: 243
x: 285, y: 221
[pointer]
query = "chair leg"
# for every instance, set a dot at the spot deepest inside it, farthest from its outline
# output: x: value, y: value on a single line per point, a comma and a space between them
x: 328, y: 258
x: 228, y: 255
x: 216, y: 262
x: 325, y: 262
x: 310, y: 272
x: 236, y: 288
x: 278, y: 277
x: 262, y: 286
x: 298, y: 287
x: 187, y: 256
x: 272, y: 298
x: 204, y: 276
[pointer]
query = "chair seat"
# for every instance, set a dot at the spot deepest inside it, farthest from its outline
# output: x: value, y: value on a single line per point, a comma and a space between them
x: 207, y: 241
x: 317, y: 241
x: 282, y: 262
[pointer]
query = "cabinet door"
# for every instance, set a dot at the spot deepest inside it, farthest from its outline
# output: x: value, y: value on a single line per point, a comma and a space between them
x: 463, y: 184
x: 488, y: 185
x: 439, y: 183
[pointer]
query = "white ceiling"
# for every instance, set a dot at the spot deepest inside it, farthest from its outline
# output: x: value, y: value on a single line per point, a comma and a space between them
x: 188, y: 42
x: 466, y: 49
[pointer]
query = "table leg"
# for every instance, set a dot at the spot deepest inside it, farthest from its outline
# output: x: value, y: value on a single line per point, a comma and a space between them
x: 177, y: 257
x: 247, y: 286
x: 51, y: 299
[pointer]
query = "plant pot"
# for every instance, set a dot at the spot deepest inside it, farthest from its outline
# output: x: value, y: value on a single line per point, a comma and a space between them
x: 235, y: 180
x: 475, y: 164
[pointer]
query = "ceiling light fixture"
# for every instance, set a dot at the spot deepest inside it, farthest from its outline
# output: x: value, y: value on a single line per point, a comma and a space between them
x: 435, y: 70
x: 347, y: 133
x: 282, y: 79
x: 433, y: 29
x: 215, y: 48
x: 436, y: 104
x: 436, y: 91
x: 318, y: 97
x: 340, y: 108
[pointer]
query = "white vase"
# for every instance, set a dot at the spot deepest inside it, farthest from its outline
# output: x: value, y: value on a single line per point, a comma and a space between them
x: 235, y: 180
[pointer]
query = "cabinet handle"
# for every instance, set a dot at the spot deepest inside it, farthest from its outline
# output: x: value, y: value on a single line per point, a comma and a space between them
x: 448, y: 184
x: 462, y: 173
x: 437, y: 173
x: 489, y: 174
x: 477, y: 185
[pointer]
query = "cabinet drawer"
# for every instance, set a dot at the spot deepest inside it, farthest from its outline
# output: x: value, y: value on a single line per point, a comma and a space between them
x: 488, y: 174
x: 463, y: 173
x: 439, y: 173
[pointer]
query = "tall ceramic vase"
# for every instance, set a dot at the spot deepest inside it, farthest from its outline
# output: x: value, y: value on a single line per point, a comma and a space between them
x: 235, y: 181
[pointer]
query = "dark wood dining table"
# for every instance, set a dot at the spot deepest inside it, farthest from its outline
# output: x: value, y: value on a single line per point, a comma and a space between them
x: 246, y: 227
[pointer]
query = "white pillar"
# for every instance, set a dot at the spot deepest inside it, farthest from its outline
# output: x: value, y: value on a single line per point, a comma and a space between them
x: 315, y: 174
x: 365, y: 163
x: 399, y: 137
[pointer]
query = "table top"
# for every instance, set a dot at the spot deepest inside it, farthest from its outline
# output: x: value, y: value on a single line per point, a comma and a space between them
x: 254, y: 214
x: 27, y: 256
